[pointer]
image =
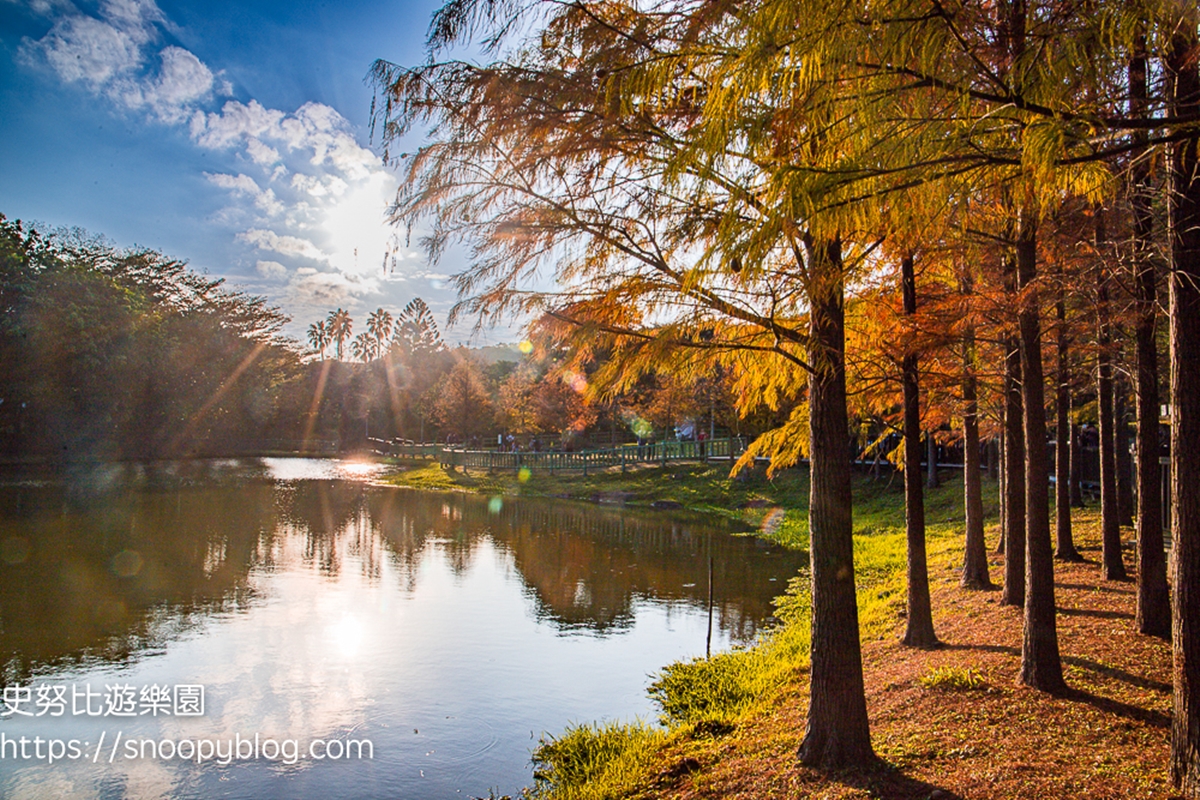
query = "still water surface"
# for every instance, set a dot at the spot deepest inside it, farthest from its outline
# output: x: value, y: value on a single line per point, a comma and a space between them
x: 447, y: 631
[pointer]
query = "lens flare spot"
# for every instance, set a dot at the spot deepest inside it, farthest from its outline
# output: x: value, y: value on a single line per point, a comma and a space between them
x: 526, y: 346
x: 495, y: 505
x: 14, y: 550
x: 524, y: 474
x: 127, y: 563
x: 772, y: 521
x: 575, y: 381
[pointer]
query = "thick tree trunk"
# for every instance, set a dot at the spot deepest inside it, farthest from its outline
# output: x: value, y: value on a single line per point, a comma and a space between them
x: 1154, y: 597
x: 918, y: 628
x: 975, y: 564
x: 1110, y: 524
x: 1184, y: 216
x: 837, y: 734
x: 1014, y: 469
x: 1064, y: 549
x: 1041, y: 667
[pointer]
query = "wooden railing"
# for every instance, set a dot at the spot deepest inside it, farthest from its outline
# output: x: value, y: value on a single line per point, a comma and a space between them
x: 407, y: 450
x: 562, y: 460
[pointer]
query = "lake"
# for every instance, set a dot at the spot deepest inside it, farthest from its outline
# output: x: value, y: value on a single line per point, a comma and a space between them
x: 287, y: 628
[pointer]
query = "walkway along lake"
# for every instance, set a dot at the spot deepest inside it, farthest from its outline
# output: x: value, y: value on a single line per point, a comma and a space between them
x: 445, y: 633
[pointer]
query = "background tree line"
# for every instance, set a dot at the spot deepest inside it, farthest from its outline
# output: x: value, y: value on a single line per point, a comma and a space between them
x: 107, y: 353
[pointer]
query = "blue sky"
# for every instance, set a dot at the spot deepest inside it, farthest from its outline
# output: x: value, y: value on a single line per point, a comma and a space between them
x: 230, y: 134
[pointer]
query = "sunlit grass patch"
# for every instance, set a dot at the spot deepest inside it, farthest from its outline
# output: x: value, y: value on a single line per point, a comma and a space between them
x: 952, y: 678
x: 595, y: 762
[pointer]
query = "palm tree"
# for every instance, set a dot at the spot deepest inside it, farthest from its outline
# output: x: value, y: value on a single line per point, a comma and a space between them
x: 339, y: 326
x: 318, y: 337
x: 363, y: 347
x: 379, y: 325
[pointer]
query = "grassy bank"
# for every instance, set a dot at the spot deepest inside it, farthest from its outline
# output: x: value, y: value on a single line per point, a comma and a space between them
x: 696, y: 486
x: 947, y: 723
x: 704, y: 702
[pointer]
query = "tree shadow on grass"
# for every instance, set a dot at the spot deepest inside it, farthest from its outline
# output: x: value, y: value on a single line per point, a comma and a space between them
x: 1118, y: 674
x: 1094, y: 612
x: 987, y: 648
x: 1087, y: 587
x: 1155, y: 719
x: 886, y: 781
x: 1076, y: 661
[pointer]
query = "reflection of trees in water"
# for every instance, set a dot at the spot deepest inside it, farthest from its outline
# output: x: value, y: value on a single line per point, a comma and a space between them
x: 335, y: 522
x: 85, y: 575
x: 91, y: 569
x: 587, y: 566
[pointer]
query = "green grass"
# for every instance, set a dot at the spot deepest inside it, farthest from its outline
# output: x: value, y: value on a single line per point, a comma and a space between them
x: 704, y: 697
x: 954, y: 679
x: 696, y: 486
x: 595, y: 761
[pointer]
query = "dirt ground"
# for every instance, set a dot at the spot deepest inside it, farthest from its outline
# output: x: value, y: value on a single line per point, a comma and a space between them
x: 1108, y: 737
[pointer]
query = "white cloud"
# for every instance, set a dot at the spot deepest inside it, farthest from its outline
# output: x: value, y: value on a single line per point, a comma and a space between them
x: 88, y: 50
x: 319, y: 186
x: 284, y: 245
x: 108, y: 53
x: 234, y: 122
x: 260, y: 153
x: 272, y: 269
x: 303, y: 196
x: 244, y: 185
x: 182, y: 81
x: 49, y: 7
x: 319, y: 290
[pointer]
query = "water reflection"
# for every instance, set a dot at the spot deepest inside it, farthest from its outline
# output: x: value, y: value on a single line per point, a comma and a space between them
x: 313, y: 605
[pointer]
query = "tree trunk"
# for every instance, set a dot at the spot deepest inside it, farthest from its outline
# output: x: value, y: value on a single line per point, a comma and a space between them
x: 931, y: 481
x: 1124, y: 462
x: 1076, y: 469
x: 1184, y: 218
x: 1041, y: 667
x: 1002, y: 479
x: 837, y: 734
x: 975, y: 565
x: 1154, y: 597
x: 1110, y: 524
x: 918, y: 628
x: 1014, y: 470
x: 1064, y: 542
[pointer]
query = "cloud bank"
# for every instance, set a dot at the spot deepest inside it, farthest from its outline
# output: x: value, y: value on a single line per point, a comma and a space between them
x: 305, y: 199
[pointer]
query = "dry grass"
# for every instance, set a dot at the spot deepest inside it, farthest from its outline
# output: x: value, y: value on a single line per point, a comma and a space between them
x: 1107, y: 738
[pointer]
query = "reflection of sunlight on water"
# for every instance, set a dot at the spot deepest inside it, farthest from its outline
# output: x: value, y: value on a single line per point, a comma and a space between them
x: 360, y: 611
x: 360, y: 469
x: 302, y: 469
x: 346, y: 636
